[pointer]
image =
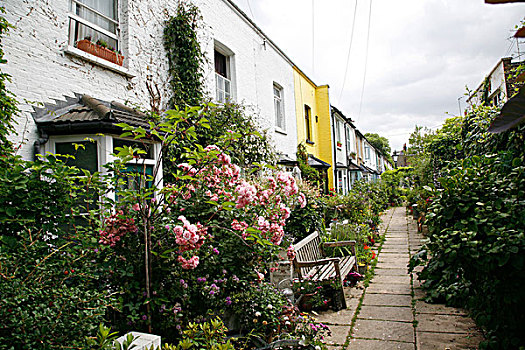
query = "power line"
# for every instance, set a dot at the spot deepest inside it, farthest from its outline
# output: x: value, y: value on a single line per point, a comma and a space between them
x: 366, y: 60
x: 349, y: 50
x: 313, y: 38
x: 250, y: 8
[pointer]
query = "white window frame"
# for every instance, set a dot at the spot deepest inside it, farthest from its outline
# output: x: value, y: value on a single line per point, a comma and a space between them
x: 221, y: 81
x: 279, y: 101
x: 105, y: 153
x: 73, y: 17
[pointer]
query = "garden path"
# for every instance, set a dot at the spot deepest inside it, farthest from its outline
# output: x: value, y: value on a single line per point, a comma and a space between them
x: 389, y: 313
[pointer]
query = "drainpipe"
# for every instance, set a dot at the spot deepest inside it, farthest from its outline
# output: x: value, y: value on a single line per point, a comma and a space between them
x: 39, y: 143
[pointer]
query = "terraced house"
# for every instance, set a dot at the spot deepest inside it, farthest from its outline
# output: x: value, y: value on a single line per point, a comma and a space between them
x: 78, y: 64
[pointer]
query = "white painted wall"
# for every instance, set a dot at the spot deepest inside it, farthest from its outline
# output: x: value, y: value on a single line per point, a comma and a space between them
x: 257, y: 65
x: 41, y: 69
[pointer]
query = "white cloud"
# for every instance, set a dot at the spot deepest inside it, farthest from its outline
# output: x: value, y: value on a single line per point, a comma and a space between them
x: 421, y: 54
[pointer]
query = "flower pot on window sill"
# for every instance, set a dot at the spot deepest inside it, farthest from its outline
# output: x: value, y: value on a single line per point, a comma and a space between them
x: 100, y: 51
x: 339, y: 144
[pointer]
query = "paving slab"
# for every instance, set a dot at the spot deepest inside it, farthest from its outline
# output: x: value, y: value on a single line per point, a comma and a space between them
x: 392, y: 265
x: 423, y: 307
x: 387, y: 300
x: 339, y: 335
x: 340, y: 318
x: 445, y: 323
x: 396, y: 250
x: 403, y: 279
x: 394, y: 261
x: 389, y: 288
x: 441, y: 341
x: 387, y: 313
x: 383, y: 330
x: 390, y: 272
x: 419, y: 294
x: 371, y: 344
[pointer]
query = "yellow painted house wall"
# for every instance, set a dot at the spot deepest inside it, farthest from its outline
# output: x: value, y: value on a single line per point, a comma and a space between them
x: 317, y: 98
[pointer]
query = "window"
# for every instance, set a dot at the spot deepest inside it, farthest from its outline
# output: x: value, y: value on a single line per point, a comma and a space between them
x: 139, y: 172
x: 222, y: 77
x: 308, y: 122
x: 338, y: 132
x: 96, y: 20
x: 348, y: 139
x: 367, y: 152
x: 84, y: 153
x: 278, y: 106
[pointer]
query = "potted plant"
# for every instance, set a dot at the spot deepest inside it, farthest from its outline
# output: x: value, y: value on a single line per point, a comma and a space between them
x: 100, y: 49
x: 339, y: 144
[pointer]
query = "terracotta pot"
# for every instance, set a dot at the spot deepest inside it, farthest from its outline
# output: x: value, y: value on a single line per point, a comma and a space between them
x: 99, y: 51
x: 305, y: 304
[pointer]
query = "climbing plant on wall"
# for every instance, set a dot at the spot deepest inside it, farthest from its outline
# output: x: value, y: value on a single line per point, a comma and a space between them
x: 8, y: 106
x: 185, y: 56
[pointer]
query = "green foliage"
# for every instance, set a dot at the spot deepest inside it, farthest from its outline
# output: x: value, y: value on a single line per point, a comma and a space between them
x: 476, y: 223
x: 210, y: 335
x: 8, y: 104
x: 185, y: 56
x: 308, y: 173
x: 310, y: 218
x: 49, y: 271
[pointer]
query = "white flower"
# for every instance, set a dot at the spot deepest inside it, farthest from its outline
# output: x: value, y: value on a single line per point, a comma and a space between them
x: 317, y: 347
x: 257, y: 314
x: 270, y: 306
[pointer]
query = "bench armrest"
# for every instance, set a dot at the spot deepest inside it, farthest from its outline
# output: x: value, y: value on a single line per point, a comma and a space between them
x: 316, y: 262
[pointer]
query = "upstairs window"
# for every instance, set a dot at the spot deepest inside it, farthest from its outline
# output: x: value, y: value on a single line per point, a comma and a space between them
x: 338, y: 132
x: 308, y: 123
x: 278, y: 106
x: 96, y: 20
x: 222, y: 77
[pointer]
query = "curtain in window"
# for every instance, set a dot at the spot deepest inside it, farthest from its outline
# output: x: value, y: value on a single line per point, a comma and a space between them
x: 107, y: 8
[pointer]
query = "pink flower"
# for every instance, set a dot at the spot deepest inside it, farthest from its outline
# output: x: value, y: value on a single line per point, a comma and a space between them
x: 290, y: 252
x: 136, y: 207
x: 190, y: 263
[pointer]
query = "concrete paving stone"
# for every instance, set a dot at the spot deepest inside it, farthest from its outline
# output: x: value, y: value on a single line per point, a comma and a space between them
x: 416, y: 283
x: 392, y: 265
x: 371, y: 344
x: 387, y: 300
x: 397, y: 240
x: 394, y: 245
x: 423, y: 307
x: 419, y: 293
x: 445, y: 323
x: 397, y: 250
x: 441, y: 341
x: 339, y: 335
x: 403, y: 255
x: 390, y: 272
x: 383, y: 330
x: 394, y: 260
x: 339, y: 318
x: 334, y: 347
x: 389, y: 288
x: 403, y: 279
x: 387, y: 313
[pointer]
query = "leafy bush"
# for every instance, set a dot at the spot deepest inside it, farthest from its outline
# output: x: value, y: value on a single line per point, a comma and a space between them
x: 476, y: 224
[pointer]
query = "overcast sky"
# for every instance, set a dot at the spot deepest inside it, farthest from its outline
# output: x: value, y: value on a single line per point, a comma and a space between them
x: 421, y: 53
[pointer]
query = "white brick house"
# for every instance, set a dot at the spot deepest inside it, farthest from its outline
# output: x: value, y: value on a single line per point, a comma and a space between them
x: 46, y: 67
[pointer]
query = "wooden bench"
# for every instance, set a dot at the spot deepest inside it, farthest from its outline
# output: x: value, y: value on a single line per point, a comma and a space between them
x: 310, y: 262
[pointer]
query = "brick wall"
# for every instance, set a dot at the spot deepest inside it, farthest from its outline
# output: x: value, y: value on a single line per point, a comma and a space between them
x: 42, y: 71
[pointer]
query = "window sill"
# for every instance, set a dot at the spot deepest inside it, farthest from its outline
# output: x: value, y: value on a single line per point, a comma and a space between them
x: 280, y: 131
x: 310, y: 142
x: 73, y: 51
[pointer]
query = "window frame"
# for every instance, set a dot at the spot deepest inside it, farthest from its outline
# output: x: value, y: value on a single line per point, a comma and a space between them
x: 74, y: 18
x: 308, y: 123
x: 280, y: 101
x: 229, y: 75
